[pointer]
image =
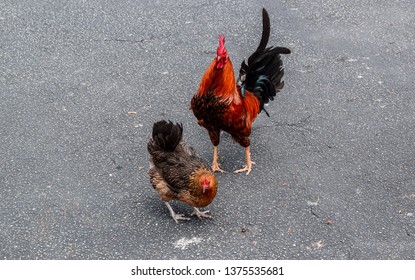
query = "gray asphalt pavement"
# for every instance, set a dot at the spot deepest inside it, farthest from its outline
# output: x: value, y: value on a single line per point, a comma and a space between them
x: 335, y: 162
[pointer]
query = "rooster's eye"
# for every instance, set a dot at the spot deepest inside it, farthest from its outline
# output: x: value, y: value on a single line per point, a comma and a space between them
x: 243, y: 77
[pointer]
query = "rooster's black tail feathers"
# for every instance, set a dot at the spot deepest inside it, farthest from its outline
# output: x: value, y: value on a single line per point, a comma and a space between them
x: 264, y: 71
x: 266, y: 29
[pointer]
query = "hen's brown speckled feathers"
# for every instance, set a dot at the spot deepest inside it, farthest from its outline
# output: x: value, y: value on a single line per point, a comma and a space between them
x: 175, y: 170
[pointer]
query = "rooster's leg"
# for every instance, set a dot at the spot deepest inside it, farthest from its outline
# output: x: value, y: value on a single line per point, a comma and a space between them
x: 215, y: 164
x: 176, y: 217
x: 249, y: 162
x: 200, y: 214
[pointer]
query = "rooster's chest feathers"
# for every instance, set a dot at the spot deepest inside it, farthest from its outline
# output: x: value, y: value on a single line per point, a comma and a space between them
x: 209, y: 107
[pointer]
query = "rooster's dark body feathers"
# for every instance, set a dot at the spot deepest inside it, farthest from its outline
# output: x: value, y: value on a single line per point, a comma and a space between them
x: 222, y: 103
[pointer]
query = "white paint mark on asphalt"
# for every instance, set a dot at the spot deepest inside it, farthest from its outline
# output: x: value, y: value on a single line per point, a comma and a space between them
x: 312, y: 203
x: 184, y: 242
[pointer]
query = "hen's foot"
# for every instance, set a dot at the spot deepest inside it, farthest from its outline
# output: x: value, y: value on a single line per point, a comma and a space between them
x: 176, y: 217
x: 201, y: 214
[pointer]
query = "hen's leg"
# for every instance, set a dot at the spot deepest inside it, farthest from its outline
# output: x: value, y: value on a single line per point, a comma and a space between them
x: 215, y: 164
x: 175, y: 216
x: 249, y: 162
x: 200, y: 214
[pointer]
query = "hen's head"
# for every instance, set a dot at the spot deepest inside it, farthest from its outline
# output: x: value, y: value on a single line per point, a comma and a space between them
x: 207, y: 182
x: 203, y: 187
x: 221, y: 53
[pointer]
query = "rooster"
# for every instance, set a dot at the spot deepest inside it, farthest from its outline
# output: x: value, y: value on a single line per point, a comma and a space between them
x: 176, y: 173
x: 223, y: 104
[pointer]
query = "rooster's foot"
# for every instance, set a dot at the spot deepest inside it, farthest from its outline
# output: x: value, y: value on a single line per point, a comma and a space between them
x: 215, y: 164
x: 200, y: 214
x: 247, y: 168
x: 215, y: 167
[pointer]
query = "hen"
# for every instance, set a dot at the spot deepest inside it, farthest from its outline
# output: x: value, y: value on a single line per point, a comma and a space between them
x: 221, y: 103
x: 176, y: 173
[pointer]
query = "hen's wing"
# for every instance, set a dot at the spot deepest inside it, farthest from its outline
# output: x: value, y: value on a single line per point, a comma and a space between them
x: 176, y: 167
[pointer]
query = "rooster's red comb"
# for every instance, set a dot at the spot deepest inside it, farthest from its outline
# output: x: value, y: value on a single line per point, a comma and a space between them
x: 221, y: 41
x: 221, y: 47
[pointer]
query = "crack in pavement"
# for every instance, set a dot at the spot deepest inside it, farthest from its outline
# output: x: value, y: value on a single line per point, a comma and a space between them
x: 300, y: 124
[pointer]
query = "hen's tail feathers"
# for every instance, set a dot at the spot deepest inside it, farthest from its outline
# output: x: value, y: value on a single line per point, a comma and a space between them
x: 264, y: 71
x: 166, y: 136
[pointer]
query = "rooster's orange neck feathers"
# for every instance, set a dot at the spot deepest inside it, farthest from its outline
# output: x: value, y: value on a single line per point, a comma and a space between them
x: 221, y: 81
x: 219, y: 78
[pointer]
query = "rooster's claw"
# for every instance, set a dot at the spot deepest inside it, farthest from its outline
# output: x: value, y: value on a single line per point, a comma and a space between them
x: 246, y: 168
x: 217, y: 168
